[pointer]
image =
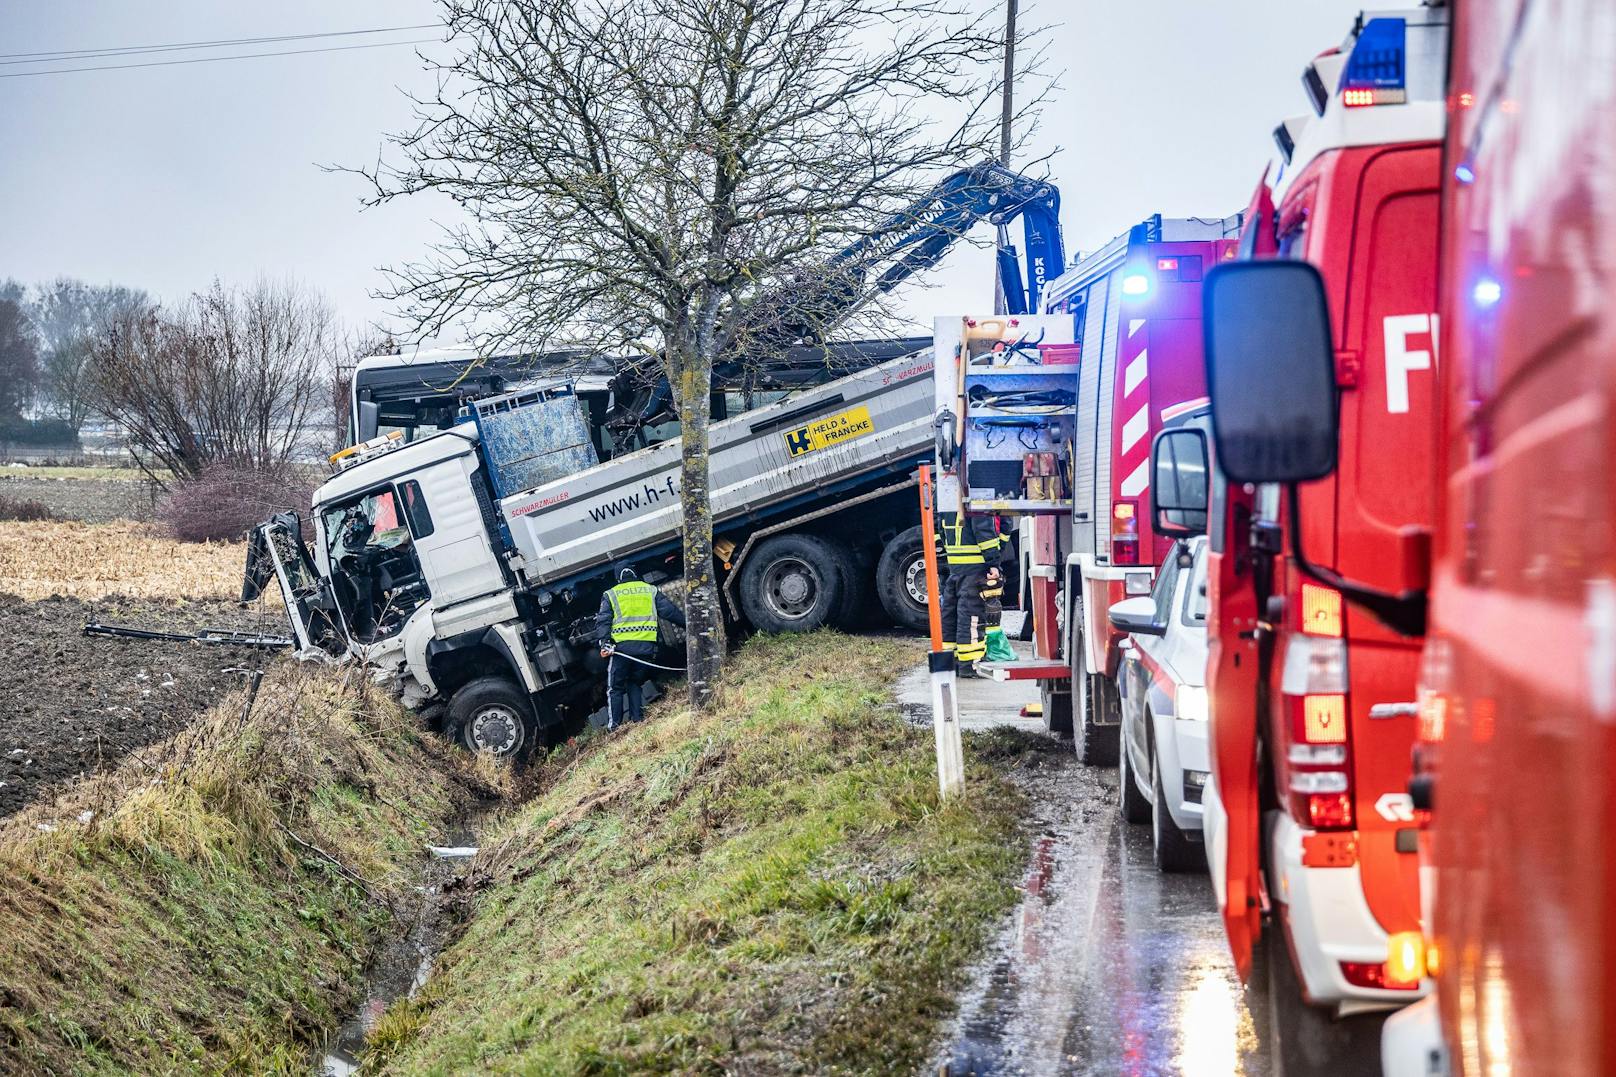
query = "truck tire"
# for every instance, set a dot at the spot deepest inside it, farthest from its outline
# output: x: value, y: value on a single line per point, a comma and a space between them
x: 1057, y: 708
x: 1175, y: 852
x: 900, y: 581
x: 494, y: 716
x: 792, y: 583
x: 1095, y: 744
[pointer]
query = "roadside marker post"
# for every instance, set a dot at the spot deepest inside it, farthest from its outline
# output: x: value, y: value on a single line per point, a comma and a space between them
x: 944, y: 700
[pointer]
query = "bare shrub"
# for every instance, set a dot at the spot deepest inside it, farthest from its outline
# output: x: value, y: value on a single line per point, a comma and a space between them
x: 236, y: 376
x: 226, y: 501
x: 24, y: 511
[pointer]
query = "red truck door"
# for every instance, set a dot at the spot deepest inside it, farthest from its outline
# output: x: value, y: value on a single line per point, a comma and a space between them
x: 1232, y: 676
x: 1388, y: 418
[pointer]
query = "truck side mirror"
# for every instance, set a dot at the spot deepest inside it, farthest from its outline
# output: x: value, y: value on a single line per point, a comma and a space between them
x: 1178, y: 486
x: 1270, y: 370
x: 370, y: 421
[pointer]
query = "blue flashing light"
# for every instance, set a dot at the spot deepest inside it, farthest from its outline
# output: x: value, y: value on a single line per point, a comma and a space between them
x: 1135, y: 283
x: 1464, y: 174
x: 1486, y: 293
x: 1377, y: 60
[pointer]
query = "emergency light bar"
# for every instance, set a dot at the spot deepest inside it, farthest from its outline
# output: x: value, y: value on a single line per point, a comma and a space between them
x: 1376, y: 72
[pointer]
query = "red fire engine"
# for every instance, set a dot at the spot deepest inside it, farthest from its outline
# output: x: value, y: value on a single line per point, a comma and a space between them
x: 1310, y: 830
x: 1136, y: 308
x: 1518, y: 688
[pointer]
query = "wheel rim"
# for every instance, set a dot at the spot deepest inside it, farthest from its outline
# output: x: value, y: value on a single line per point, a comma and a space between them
x: 497, y: 730
x: 792, y: 588
x: 914, y: 580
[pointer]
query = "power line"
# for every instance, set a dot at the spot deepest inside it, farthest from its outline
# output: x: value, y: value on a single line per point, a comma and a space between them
x: 214, y: 59
x: 119, y: 50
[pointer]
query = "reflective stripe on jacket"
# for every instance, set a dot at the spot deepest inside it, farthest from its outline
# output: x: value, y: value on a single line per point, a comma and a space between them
x: 634, y: 615
x: 964, y: 544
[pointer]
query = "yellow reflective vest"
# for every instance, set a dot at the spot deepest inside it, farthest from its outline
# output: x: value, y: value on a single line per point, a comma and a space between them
x: 633, y: 611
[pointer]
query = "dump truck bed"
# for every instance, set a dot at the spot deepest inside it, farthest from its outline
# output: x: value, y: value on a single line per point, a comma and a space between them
x: 828, y: 439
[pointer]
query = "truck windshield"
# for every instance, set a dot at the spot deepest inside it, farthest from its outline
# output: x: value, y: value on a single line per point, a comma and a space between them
x: 375, y: 570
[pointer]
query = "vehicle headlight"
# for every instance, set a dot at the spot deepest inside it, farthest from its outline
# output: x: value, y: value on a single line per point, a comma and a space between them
x: 1191, y: 703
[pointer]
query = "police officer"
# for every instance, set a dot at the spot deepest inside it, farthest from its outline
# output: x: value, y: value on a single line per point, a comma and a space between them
x: 627, y: 628
x: 972, y: 546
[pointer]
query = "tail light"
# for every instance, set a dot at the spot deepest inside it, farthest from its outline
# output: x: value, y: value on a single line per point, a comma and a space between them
x: 1314, y: 686
x: 1125, y: 533
x: 1373, y: 975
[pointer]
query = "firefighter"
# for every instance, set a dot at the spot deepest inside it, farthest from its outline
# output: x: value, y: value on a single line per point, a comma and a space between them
x: 630, y: 614
x: 972, y: 549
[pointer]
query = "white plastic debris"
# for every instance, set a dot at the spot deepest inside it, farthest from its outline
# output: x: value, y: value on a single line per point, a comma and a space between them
x: 452, y: 852
x: 86, y: 816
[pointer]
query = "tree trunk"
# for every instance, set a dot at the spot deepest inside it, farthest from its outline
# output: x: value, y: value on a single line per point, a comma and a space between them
x: 704, y: 617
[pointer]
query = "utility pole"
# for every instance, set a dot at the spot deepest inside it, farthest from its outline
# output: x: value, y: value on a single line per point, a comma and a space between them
x: 1000, y: 304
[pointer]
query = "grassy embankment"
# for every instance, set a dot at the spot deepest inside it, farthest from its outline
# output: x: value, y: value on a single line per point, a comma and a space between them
x: 211, y: 904
x: 773, y: 888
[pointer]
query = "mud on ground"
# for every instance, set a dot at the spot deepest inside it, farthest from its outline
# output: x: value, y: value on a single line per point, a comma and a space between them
x: 71, y: 704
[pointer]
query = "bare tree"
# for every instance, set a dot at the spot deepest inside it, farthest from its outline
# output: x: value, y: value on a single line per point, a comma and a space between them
x: 235, y: 376
x: 656, y: 176
x: 67, y: 314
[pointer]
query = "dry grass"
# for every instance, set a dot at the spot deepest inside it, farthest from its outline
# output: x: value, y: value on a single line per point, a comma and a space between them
x: 91, y: 561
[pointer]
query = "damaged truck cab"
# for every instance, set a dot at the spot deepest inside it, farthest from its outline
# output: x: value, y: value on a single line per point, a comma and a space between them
x: 403, y: 574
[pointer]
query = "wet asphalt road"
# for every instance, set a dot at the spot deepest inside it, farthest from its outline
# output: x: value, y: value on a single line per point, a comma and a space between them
x: 1108, y: 966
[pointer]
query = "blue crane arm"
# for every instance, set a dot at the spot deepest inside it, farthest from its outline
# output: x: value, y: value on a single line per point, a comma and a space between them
x: 916, y: 238
x: 919, y: 236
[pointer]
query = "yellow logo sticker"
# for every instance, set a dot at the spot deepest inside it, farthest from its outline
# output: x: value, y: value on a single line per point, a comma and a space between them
x: 831, y: 430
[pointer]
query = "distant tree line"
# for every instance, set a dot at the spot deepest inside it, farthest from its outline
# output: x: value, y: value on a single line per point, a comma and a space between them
x: 47, y: 336
x: 219, y: 397
x: 238, y: 375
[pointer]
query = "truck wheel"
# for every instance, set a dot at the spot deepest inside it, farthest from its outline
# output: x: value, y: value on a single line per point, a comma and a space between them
x: 1175, y: 852
x: 1057, y: 708
x: 1095, y: 744
x: 494, y: 716
x: 792, y: 583
x: 900, y: 581
x: 1135, y: 808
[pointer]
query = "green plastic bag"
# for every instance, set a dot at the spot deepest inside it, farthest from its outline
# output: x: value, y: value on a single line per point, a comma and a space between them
x: 999, y: 649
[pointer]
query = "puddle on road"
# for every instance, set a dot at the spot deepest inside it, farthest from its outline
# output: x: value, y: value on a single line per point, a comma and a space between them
x: 1106, y: 966
x: 402, y: 967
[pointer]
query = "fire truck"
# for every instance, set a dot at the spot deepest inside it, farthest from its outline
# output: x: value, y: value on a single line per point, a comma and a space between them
x: 1518, y: 686
x: 1135, y: 306
x: 1314, y: 630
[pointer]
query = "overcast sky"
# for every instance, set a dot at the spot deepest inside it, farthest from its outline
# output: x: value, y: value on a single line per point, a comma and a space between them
x: 165, y: 177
